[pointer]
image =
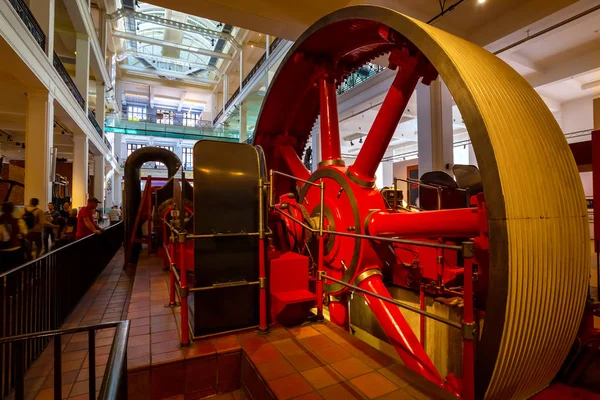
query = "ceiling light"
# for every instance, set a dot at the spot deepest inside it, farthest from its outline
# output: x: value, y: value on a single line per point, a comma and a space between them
x: 360, y: 140
x: 481, y: 1
x: 351, y: 144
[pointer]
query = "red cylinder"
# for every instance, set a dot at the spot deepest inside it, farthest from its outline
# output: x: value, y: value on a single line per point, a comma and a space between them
x: 338, y: 312
x: 319, y: 284
x: 398, y: 331
x: 330, y: 129
x: 460, y: 222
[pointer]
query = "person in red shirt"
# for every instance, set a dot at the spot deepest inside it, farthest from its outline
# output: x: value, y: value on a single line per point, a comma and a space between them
x: 86, y: 225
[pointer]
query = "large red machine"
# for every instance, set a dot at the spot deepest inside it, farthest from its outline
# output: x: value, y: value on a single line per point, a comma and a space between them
x: 316, y: 238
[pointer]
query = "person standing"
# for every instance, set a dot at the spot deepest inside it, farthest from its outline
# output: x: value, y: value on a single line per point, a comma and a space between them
x: 64, y: 211
x: 114, y: 215
x: 34, y: 220
x: 11, y: 236
x: 86, y: 225
x: 52, y: 217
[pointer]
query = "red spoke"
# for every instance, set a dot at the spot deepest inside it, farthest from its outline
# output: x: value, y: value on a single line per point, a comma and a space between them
x: 294, y: 164
x: 388, y: 117
x: 330, y: 129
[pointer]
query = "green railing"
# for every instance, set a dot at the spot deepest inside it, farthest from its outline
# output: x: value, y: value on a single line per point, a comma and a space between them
x: 359, y: 76
x: 125, y: 127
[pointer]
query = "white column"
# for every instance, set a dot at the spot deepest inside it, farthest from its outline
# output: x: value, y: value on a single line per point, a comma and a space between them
x: 241, y: 66
x: 39, y: 137
x: 43, y: 11
x: 110, y: 197
x: 100, y: 101
x: 387, y: 169
x: 117, y: 148
x: 267, y: 45
x: 103, y: 34
x: 99, y: 179
x: 178, y: 150
x: 434, y: 122
x: 117, y: 190
x: 225, y: 90
x: 243, y: 122
x: 472, y: 158
x: 82, y: 67
x: 80, y: 170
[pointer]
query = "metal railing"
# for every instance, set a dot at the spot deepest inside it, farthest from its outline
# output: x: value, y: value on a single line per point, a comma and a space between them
x: 359, y: 76
x: 29, y: 20
x: 39, y: 295
x: 114, y: 381
x: 60, y: 68
x: 92, y: 118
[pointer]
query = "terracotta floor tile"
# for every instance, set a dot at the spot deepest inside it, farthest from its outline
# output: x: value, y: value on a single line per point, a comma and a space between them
x: 140, y: 322
x: 139, y: 330
x: 164, y: 336
x: 401, y: 394
x: 275, y: 369
x: 342, y: 390
x: 163, y: 327
x: 309, y: 396
x: 226, y: 344
x: 136, y: 363
x: 264, y: 353
x: 316, y: 342
x: 304, y: 361
x: 138, y: 314
x: 289, y: 386
x: 288, y: 347
x: 253, y: 341
x: 332, y: 354
x: 78, y: 338
x: 48, y: 394
x: 162, y: 319
x: 84, y: 373
x: 199, y: 349
x: 74, y: 355
x: 76, y: 346
x: 103, y: 350
x: 278, y: 334
x: 170, y: 356
x: 83, y: 387
x: 373, y: 385
x: 302, y: 332
x: 71, y: 365
x: 139, y: 340
x: 376, y: 359
x: 165, y: 347
x: 138, y: 351
x: 351, y: 367
x: 321, y: 377
x: 161, y: 311
x: 397, y: 373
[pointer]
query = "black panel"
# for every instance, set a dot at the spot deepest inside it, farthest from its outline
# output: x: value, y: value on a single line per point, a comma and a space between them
x: 226, y: 190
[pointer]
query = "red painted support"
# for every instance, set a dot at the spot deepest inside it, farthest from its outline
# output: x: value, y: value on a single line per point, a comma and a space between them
x: 330, y: 129
x: 398, y: 331
x: 387, y: 118
x: 319, y: 285
x: 460, y: 222
x: 185, y: 336
x: 262, y: 276
x: 338, y: 312
x: 468, y: 383
x: 294, y: 164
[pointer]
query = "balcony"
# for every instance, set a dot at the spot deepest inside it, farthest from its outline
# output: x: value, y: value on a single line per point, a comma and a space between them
x: 359, y: 76
x: 27, y: 17
x: 202, y: 130
x: 92, y: 118
x: 60, y: 68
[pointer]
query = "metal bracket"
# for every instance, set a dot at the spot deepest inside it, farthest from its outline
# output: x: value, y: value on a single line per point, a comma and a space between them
x: 321, y: 275
x: 262, y: 283
x: 468, y: 249
x: 469, y: 330
x: 184, y: 292
x: 182, y: 237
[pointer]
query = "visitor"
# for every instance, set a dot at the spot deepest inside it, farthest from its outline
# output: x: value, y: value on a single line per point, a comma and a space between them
x: 86, y: 225
x: 11, y: 239
x: 69, y: 232
x: 64, y: 211
x: 114, y: 215
x: 52, y: 217
x: 34, y: 221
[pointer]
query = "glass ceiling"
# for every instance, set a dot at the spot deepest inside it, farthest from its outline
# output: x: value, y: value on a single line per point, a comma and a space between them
x: 181, y: 57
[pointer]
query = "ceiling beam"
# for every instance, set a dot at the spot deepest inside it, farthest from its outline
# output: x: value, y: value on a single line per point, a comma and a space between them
x: 523, y: 61
x: 566, y: 68
x: 187, y: 78
x: 171, y: 45
x: 155, y: 80
x: 134, y: 53
x: 151, y: 96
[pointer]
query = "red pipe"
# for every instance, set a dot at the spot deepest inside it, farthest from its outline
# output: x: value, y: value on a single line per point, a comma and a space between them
x: 263, y: 290
x: 330, y: 129
x: 319, y: 285
x: 386, y: 122
x: 294, y: 164
x: 468, y: 391
x: 185, y: 336
x: 398, y: 331
x: 460, y: 222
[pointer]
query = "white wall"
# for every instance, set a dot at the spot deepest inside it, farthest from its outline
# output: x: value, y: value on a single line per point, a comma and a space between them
x: 577, y: 115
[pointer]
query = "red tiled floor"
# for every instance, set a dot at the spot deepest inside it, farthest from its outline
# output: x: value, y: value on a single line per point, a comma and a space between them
x: 289, y: 386
x: 351, y: 367
x: 275, y: 369
x: 332, y: 354
x: 304, y: 361
x: 302, y: 332
x: 373, y: 385
x: 288, y: 347
x: 321, y: 377
x: 342, y: 390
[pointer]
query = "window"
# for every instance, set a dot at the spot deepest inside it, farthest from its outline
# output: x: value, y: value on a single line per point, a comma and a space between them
x: 188, y: 158
x: 156, y: 164
x: 165, y: 117
x: 136, y: 113
x: 131, y: 147
x: 192, y: 120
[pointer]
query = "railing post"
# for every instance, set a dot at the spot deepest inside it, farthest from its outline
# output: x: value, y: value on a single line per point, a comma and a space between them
x: 319, y: 283
x: 57, y: 367
x: 468, y: 325
x: 19, y: 370
x: 185, y: 336
x: 262, y: 278
x: 92, y: 363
